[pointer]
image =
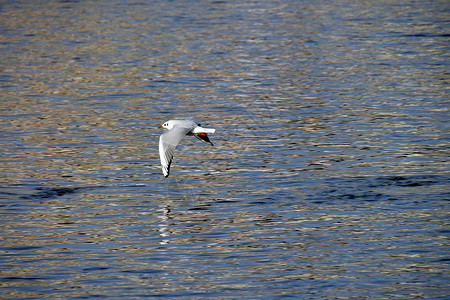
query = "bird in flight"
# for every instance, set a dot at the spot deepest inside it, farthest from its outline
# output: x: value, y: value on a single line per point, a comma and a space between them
x: 170, y: 139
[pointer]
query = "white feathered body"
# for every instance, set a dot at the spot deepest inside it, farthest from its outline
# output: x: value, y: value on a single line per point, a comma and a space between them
x: 170, y: 139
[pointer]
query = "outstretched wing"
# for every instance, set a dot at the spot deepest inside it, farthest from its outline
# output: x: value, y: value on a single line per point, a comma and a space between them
x: 167, y: 143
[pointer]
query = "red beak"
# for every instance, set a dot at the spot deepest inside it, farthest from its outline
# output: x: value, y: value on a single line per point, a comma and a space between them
x: 160, y: 126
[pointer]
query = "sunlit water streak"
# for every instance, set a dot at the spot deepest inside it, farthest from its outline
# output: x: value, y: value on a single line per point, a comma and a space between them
x: 328, y: 178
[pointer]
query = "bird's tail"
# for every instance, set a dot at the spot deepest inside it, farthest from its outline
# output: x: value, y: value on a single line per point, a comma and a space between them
x: 208, y: 130
x: 203, y: 130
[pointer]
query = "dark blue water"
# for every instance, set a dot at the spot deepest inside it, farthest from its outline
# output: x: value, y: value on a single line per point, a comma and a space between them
x: 329, y: 178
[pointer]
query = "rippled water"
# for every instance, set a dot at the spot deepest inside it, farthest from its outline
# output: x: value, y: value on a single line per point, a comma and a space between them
x: 329, y: 176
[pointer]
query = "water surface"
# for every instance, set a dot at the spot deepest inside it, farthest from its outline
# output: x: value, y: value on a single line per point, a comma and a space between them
x: 329, y: 175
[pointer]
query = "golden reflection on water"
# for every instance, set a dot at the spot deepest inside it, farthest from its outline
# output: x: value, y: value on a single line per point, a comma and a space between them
x: 328, y: 174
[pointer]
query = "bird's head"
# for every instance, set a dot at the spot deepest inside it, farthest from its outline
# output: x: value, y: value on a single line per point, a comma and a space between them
x: 167, y: 125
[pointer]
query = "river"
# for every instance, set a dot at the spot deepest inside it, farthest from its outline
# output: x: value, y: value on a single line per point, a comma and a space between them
x: 329, y: 174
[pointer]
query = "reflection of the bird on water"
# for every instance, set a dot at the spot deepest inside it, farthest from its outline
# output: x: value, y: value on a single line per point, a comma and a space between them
x: 163, y: 226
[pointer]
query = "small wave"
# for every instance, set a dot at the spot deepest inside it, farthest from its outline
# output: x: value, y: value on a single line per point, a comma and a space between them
x: 52, y: 192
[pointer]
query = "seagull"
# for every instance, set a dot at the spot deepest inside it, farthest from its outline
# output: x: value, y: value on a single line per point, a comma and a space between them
x: 170, y: 139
